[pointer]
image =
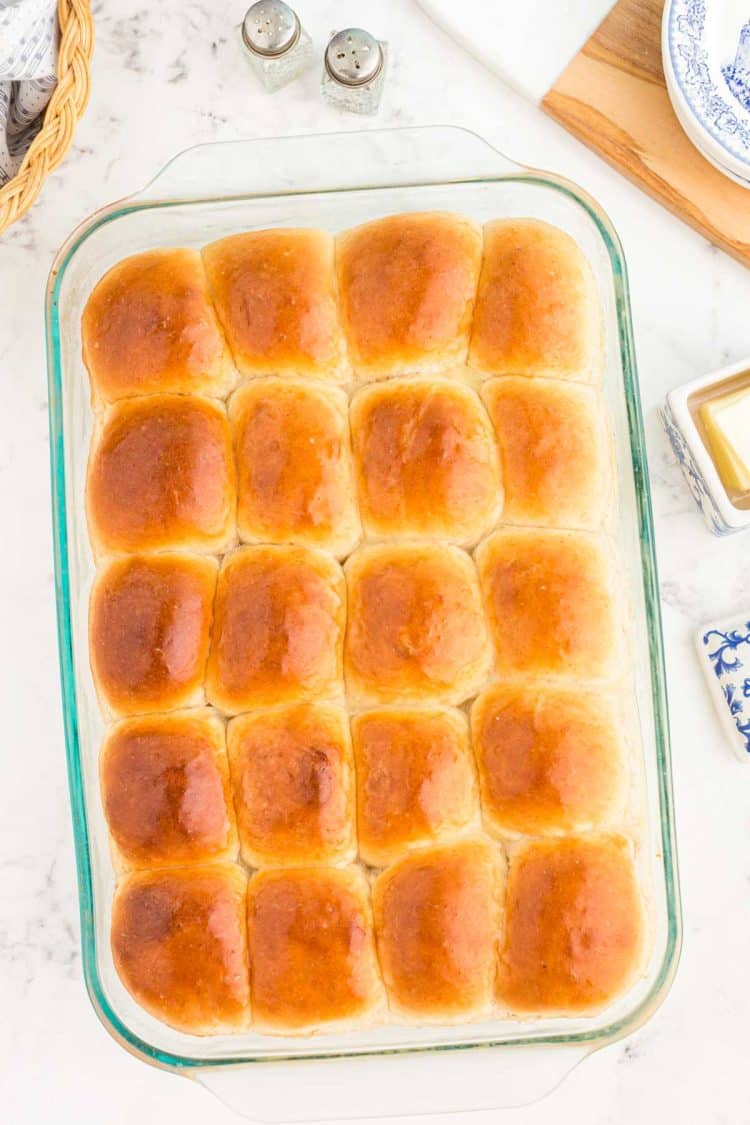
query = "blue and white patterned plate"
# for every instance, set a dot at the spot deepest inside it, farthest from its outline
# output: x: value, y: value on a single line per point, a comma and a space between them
x: 706, y: 48
x: 724, y: 651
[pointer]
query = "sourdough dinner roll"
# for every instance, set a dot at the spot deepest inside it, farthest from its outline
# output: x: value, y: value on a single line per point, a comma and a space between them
x: 437, y: 919
x: 149, y: 622
x: 550, y: 759
x: 294, y: 465
x: 161, y: 475
x: 275, y: 294
x: 426, y: 461
x: 312, y: 953
x: 293, y: 784
x: 165, y: 790
x: 555, y: 452
x: 415, y: 779
x: 537, y: 310
x: 416, y: 630
x: 278, y: 626
x: 406, y: 292
x: 574, y: 926
x: 149, y: 326
x: 179, y: 946
x: 552, y: 604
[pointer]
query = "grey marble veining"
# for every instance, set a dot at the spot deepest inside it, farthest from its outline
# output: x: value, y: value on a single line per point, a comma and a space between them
x: 170, y: 75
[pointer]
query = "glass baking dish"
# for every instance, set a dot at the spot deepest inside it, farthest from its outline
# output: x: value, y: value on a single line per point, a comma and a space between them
x: 333, y: 182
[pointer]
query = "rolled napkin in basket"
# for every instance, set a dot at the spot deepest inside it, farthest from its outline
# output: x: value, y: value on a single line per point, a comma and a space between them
x: 28, y: 75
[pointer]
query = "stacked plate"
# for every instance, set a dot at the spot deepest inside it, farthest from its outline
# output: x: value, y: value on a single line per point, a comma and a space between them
x: 706, y: 54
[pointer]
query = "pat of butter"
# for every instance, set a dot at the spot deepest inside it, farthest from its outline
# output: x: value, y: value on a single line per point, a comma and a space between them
x: 727, y: 424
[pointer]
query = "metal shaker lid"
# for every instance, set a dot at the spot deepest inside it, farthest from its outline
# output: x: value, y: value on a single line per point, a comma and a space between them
x: 353, y: 57
x: 270, y: 28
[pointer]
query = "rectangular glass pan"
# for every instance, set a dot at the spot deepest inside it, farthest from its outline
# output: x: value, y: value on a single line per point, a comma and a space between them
x: 336, y: 182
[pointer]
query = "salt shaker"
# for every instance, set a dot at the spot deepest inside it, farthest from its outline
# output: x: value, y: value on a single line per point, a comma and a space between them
x: 277, y: 46
x: 354, y: 70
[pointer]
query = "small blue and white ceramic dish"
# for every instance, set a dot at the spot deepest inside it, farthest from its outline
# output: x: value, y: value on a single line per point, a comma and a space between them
x: 722, y: 516
x: 724, y: 653
x: 706, y: 56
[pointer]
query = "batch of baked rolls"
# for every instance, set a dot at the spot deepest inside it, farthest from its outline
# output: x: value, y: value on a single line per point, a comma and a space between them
x: 357, y: 629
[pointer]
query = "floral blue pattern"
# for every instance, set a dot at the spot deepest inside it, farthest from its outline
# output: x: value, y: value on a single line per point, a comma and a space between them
x: 719, y: 109
x: 728, y: 642
x: 693, y: 475
x: 737, y: 73
x: 728, y: 651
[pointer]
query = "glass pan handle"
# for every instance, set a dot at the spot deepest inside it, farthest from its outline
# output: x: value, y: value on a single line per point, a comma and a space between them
x: 393, y: 1085
x: 327, y: 162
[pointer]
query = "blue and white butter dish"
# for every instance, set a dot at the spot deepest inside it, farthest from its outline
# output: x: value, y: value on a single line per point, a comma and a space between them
x: 724, y: 652
x: 679, y: 416
x: 706, y: 57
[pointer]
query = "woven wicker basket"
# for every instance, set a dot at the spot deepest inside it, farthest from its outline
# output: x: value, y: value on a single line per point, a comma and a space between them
x: 66, y: 105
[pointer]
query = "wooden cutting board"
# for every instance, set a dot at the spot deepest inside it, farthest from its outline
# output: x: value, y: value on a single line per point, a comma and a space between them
x: 613, y: 97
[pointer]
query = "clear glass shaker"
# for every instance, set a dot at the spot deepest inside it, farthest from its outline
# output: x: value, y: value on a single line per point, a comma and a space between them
x: 276, y: 45
x: 354, y: 70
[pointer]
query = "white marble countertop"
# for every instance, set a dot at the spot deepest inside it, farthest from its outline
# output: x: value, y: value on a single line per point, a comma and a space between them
x: 169, y: 75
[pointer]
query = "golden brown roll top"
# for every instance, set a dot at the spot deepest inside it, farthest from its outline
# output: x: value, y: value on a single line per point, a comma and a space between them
x: 554, y: 450
x: 415, y: 779
x: 149, y: 326
x: 165, y: 789
x: 552, y: 604
x: 415, y: 627
x: 294, y: 465
x: 437, y: 919
x: 278, y: 626
x: 537, y: 310
x: 550, y: 759
x: 293, y: 784
x: 406, y: 292
x: 312, y: 952
x: 160, y: 475
x: 574, y: 927
x: 149, y: 622
x: 426, y: 461
x: 179, y: 946
x: 275, y: 293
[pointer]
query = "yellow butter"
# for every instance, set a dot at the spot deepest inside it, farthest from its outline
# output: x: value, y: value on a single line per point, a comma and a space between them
x: 727, y: 424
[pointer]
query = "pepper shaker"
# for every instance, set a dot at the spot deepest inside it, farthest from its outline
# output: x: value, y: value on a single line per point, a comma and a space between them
x: 277, y: 46
x: 354, y: 70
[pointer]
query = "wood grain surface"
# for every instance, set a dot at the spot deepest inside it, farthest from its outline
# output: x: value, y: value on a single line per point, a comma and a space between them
x: 613, y: 97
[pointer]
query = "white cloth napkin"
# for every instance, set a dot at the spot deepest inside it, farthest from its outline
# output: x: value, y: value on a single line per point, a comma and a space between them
x: 528, y: 43
x: 28, y: 75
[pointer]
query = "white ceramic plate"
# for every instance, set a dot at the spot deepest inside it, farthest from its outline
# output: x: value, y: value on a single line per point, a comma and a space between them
x: 706, y: 53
